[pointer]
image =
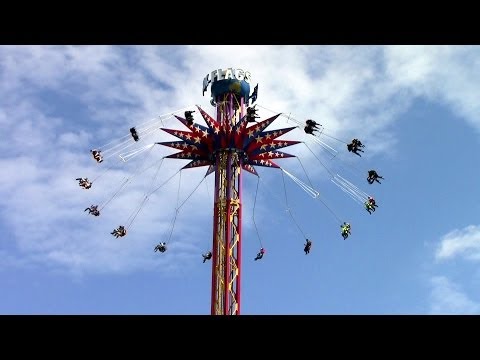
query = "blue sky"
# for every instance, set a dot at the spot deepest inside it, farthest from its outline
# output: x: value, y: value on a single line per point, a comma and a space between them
x: 415, y: 108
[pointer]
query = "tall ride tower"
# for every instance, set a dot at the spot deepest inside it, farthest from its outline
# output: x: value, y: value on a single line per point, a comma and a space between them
x: 227, y: 146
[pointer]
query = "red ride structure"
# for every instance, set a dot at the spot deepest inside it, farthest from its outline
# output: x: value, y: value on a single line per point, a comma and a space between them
x: 231, y: 142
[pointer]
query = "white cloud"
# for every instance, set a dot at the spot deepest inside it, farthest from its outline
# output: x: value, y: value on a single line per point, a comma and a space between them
x: 448, y: 299
x: 352, y: 90
x: 440, y: 73
x: 464, y: 242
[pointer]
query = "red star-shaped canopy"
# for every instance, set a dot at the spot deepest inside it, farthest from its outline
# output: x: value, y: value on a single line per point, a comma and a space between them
x: 257, y: 146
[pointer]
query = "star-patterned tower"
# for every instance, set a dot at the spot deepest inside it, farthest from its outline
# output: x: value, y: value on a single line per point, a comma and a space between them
x: 227, y: 145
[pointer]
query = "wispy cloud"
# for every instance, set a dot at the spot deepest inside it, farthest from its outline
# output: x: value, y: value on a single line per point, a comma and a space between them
x: 60, y: 101
x: 445, y: 74
x: 448, y: 299
x: 460, y: 242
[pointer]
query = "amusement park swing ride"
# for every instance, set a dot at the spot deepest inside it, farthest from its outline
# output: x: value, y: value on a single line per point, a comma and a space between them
x: 232, y: 142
